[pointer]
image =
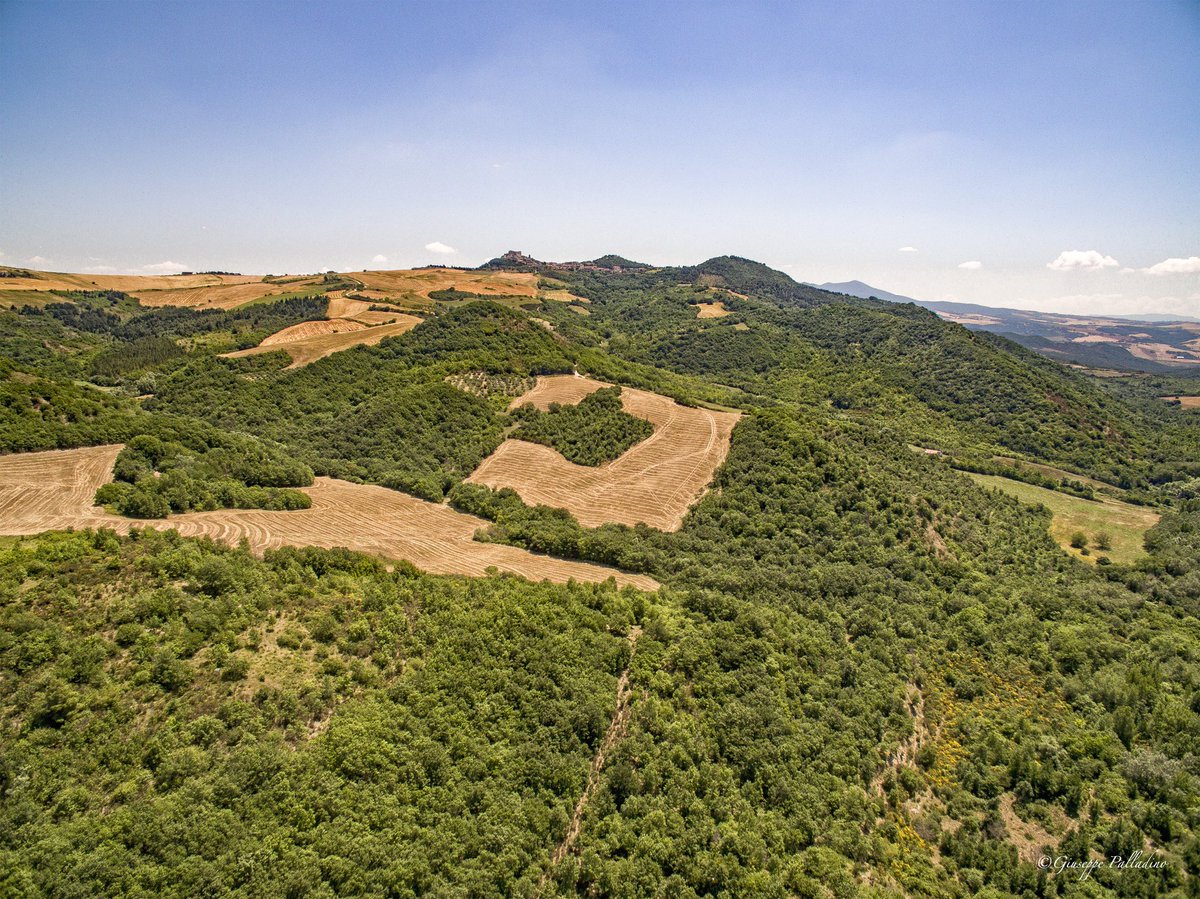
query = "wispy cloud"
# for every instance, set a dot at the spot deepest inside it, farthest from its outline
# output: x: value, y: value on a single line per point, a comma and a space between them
x: 37, y: 260
x: 909, y: 250
x: 1087, y: 260
x: 971, y: 265
x: 438, y: 247
x: 379, y: 259
x: 99, y: 269
x: 1176, y: 266
x: 163, y: 268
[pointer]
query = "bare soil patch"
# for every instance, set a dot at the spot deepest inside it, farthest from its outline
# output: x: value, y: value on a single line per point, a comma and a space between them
x: 54, y: 490
x: 655, y: 482
x: 715, y: 309
x: 1031, y: 839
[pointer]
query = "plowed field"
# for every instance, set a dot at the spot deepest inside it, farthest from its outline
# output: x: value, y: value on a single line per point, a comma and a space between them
x: 654, y: 482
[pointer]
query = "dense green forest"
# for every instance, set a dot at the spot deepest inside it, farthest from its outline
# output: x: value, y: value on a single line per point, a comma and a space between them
x: 595, y: 430
x: 864, y: 675
x: 153, y: 478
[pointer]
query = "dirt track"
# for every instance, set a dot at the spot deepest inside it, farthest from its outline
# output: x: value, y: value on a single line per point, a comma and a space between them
x: 54, y: 490
x: 655, y: 482
x: 618, y: 726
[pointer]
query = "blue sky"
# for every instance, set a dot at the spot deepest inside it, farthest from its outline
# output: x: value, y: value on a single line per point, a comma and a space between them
x: 821, y: 138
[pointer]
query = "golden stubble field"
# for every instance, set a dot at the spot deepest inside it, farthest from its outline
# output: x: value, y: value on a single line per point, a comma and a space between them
x: 54, y: 490
x: 417, y: 284
x: 715, y: 309
x: 192, y: 291
x: 309, y: 341
x: 654, y: 482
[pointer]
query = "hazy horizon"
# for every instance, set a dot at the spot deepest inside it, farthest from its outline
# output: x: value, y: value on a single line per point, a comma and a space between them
x: 1007, y: 155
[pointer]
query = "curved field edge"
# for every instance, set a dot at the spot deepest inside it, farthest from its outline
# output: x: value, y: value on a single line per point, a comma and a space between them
x: 655, y: 482
x: 53, y: 491
x: 1125, y: 525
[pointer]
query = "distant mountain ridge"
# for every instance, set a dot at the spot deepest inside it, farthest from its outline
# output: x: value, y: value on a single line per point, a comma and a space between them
x: 1153, y: 342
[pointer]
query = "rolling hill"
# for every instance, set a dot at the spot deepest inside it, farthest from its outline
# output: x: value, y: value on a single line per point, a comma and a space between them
x: 822, y: 595
x: 1153, y: 343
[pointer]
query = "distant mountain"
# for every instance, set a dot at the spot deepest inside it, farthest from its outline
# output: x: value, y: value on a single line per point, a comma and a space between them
x: 1150, y: 342
x: 1158, y: 317
x: 865, y: 291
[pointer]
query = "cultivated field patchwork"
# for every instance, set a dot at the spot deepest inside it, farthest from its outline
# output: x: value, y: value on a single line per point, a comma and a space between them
x: 654, y: 482
x: 192, y: 291
x: 417, y: 284
x: 54, y: 490
x: 224, y: 296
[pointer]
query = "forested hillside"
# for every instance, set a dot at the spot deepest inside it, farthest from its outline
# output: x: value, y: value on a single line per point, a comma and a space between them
x: 864, y: 673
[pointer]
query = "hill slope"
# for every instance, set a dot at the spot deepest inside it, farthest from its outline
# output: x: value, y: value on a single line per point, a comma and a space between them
x: 1152, y: 343
x: 864, y: 673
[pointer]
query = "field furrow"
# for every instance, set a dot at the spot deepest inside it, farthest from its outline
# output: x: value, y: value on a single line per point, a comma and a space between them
x: 54, y: 490
x: 654, y: 482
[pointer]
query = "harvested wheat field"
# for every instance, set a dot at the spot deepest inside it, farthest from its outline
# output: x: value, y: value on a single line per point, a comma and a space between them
x: 127, y: 283
x: 419, y: 283
x: 192, y: 291
x: 341, y: 306
x: 711, y: 310
x: 1187, y: 402
x: 54, y: 490
x: 305, y: 330
x: 306, y: 350
x: 654, y: 482
x: 221, y: 296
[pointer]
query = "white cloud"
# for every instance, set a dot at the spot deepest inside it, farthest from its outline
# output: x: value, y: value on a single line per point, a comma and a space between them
x: 1176, y: 266
x: 164, y: 268
x: 972, y: 265
x: 908, y: 250
x: 99, y: 269
x: 37, y: 260
x: 1088, y: 260
x: 438, y: 247
x: 379, y: 259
